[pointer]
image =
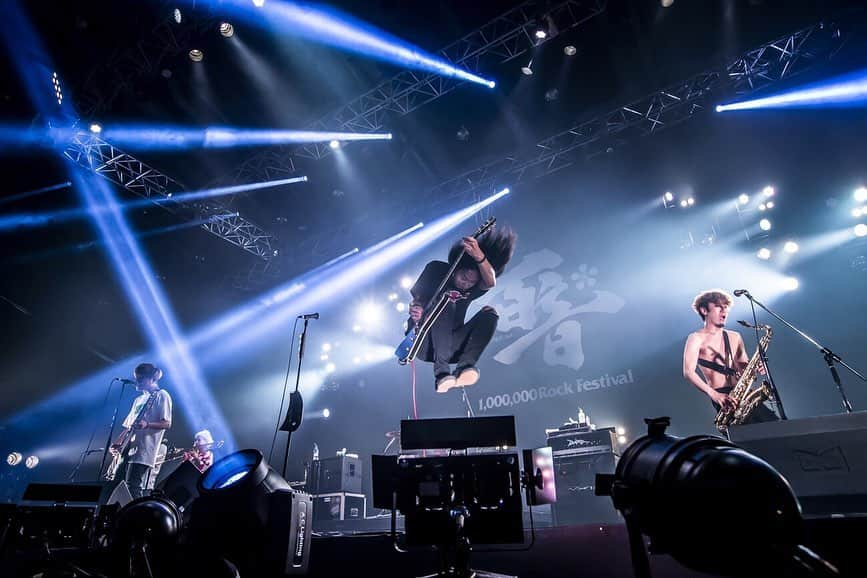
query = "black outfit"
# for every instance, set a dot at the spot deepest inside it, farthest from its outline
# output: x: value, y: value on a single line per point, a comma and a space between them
x: 762, y: 413
x: 450, y: 339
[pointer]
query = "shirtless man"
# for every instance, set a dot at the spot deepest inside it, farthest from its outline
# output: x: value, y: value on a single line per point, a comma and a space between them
x: 718, y: 353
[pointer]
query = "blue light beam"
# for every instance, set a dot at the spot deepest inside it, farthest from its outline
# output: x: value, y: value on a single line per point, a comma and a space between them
x: 334, y: 28
x: 34, y: 192
x: 841, y: 91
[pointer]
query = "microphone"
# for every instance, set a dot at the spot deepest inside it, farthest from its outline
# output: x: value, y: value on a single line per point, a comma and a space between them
x: 739, y: 292
x: 309, y: 316
x: 751, y: 326
x: 125, y: 381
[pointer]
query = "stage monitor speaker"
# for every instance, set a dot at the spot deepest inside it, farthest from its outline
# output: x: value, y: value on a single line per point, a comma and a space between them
x: 180, y: 486
x: 824, y: 458
x: 84, y: 493
x: 337, y: 474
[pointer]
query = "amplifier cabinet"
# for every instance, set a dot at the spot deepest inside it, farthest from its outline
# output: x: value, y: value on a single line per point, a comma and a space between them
x: 575, y: 480
x: 339, y: 506
x: 337, y: 474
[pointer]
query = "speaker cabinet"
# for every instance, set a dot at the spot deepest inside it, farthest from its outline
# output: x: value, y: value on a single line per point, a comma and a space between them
x: 81, y: 493
x: 337, y: 474
x: 575, y: 483
x: 180, y: 486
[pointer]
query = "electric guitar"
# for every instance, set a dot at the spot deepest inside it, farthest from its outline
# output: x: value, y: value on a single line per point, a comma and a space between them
x: 411, y: 344
x: 127, y: 438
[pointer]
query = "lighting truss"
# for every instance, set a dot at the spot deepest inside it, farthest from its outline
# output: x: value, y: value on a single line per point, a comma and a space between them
x: 500, y: 40
x: 754, y: 70
x: 91, y: 152
x: 119, y: 73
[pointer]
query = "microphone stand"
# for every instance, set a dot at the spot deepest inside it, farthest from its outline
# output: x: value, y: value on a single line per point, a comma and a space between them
x: 111, y: 430
x: 764, y: 357
x: 830, y: 357
x: 296, y: 405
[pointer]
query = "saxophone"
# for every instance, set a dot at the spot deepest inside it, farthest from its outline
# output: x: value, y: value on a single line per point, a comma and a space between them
x: 746, y: 398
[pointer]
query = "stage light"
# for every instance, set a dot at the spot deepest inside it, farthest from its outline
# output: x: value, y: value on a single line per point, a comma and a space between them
x: 356, y: 328
x: 356, y: 360
x: 334, y: 144
x: 842, y: 91
x: 330, y: 368
x: 326, y: 347
x: 58, y: 93
x: 323, y: 357
x: 326, y: 413
x: 370, y: 314
x: 258, y: 3
x: 196, y: 55
x: 392, y: 296
x: 683, y: 203
x: 765, y: 225
x: 540, y: 34
x: 620, y: 430
x: 14, y: 458
x: 790, y: 284
x: 768, y: 191
x: 860, y: 230
x: 528, y: 70
x: 762, y: 206
x: 227, y: 30
x: 690, y: 201
x: 570, y: 50
x: 764, y: 254
x: 790, y: 247
x: 401, y: 307
x: 31, y: 462
x: 678, y: 490
x: 743, y: 198
x: 857, y: 212
x: 860, y: 194
x: 621, y: 439
x: 666, y: 3
x: 668, y: 197
x: 178, y: 16
x: 95, y: 128
x: 406, y: 282
x: 770, y: 204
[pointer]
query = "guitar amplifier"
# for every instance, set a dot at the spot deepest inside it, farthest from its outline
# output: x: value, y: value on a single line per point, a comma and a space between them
x: 337, y: 474
x: 574, y: 441
x: 824, y: 458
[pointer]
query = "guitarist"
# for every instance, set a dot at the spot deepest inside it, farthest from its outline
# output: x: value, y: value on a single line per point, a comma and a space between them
x: 451, y: 339
x: 144, y: 430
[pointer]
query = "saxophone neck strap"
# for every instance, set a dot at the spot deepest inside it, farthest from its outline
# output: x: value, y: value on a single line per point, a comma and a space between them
x: 727, y: 369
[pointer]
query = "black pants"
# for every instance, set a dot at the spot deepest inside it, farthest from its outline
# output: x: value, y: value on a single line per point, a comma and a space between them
x: 136, y: 478
x: 461, y: 344
x: 762, y: 413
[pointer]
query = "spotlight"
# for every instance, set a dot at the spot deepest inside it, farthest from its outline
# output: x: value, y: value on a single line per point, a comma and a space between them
x: 326, y: 413
x: 406, y: 282
x: 790, y: 284
x: 392, y: 296
x: 227, y: 30
x: 326, y: 347
x: 356, y: 328
x: 770, y: 204
x: 528, y: 70
x: 764, y: 254
x: 570, y: 50
x: 196, y: 55
x: 768, y: 191
x: 621, y: 439
x: 857, y: 212
x: 677, y: 490
x: 743, y: 198
x: 790, y: 247
x: 860, y: 194
x: 683, y: 203
x: 258, y: 3
x: 690, y: 201
x: 401, y: 307
x: 463, y: 134
x: 335, y: 144
x: 14, y: 458
x: 540, y: 34
x: 356, y: 360
x: 765, y: 225
x: 666, y: 3
x: 330, y: 368
x: 668, y: 196
x: 552, y: 95
x: 31, y: 462
x: 762, y: 206
x: 370, y: 314
x: 95, y: 128
x: 178, y: 16
x: 621, y: 431
x: 247, y: 513
x: 860, y: 230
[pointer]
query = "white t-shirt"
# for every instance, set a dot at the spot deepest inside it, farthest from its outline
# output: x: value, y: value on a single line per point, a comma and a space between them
x: 144, y: 443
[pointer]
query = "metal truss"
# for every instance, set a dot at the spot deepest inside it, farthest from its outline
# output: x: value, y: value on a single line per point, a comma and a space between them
x: 119, y: 73
x: 91, y: 152
x: 749, y: 72
x: 502, y: 39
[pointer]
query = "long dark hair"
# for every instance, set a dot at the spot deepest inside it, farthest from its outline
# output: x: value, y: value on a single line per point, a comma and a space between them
x: 498, y: 245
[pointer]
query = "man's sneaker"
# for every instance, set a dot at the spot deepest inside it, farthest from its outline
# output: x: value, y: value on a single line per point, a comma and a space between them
x: 466, y: 376
x: 445, y: 383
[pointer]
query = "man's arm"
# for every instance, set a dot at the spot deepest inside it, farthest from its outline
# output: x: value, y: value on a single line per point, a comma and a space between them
x: 488, y: 277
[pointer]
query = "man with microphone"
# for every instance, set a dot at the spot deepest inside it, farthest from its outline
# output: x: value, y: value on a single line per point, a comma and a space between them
x: 718, y: 354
